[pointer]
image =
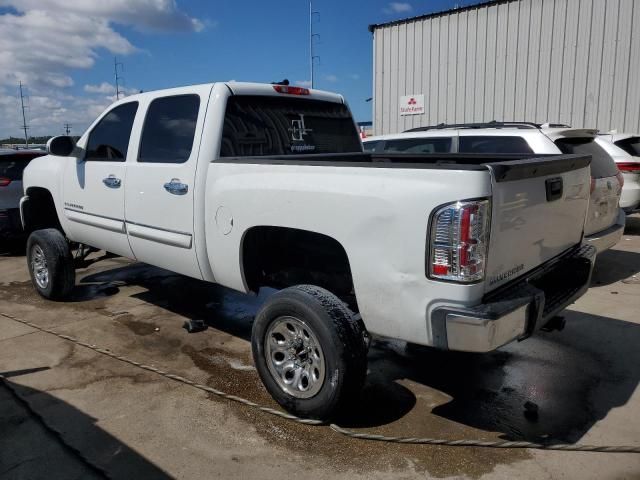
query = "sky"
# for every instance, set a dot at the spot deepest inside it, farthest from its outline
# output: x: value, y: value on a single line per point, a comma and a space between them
x: 63, y: 50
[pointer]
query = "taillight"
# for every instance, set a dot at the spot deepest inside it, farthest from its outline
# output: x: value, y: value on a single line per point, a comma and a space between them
x: 459, y: 239
x: 291, y: 90
x: 629, y: 167
x: 4, y: 181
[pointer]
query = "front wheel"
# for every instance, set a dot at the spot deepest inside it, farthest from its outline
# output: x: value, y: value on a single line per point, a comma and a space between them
x: 50, y: 264
x: 309, y: 351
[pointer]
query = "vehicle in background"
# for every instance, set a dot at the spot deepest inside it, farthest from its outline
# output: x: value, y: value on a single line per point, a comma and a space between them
x: 12, y: 165
x: 624, y: 148
x: 266, y: 186
x: 605, y: 220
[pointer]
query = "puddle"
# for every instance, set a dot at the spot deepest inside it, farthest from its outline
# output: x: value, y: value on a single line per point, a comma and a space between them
x: 386, y: 403
x: 136, y: 326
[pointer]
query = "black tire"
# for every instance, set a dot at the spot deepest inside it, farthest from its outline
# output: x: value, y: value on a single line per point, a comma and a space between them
x: 341, y: 337
x: 59, y: 263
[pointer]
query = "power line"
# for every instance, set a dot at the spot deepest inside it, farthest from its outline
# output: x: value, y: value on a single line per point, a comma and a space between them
x: 24, y: 118
x: 67, y: 128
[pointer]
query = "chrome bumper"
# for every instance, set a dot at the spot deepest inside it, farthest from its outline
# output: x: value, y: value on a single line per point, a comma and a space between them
x: 606, y: 239
x: 517, y: 310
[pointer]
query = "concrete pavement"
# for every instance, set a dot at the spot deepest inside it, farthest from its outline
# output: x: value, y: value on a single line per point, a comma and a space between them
x: 133, y: 424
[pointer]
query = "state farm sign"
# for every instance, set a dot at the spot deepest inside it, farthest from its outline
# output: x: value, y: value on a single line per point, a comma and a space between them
x: 412, y: 105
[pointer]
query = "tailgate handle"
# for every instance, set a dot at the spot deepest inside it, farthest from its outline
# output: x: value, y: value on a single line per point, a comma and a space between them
x: 554, y: 189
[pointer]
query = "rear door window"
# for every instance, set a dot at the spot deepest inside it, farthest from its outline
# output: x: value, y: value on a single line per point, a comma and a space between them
x: 169, y: 129
x: 257, y: 126
x: 12, y: 165
x: 630, y: 145
x: 602, y: 165
x: 419, y: 145
x: 493, y: 144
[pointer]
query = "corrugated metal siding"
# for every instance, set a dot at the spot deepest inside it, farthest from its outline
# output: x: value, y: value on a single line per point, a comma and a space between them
x: 569, y: 61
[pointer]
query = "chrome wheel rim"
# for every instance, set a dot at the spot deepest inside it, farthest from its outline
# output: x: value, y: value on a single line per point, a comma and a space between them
x: 294, y: 357
x: 39, y: 267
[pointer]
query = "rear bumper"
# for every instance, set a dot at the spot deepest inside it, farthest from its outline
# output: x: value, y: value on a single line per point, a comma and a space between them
x: 517, y: 310
x: 606, y: 239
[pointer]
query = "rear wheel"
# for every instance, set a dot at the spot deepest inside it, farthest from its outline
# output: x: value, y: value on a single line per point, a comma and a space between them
x: 310, y: 351
x: 50, y: 264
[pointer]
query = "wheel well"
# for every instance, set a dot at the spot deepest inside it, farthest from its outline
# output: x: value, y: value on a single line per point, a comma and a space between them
x: 281, y: 257
x: 40, y: 210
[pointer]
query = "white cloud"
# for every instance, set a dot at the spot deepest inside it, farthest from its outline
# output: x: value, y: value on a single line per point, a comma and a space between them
x: 104, y: 87
x: 303, y: 83
x: 331, y: 78
x: 155, y: 15
x: 44, y: 41
x: 398, y: 7
x: 108, y: 89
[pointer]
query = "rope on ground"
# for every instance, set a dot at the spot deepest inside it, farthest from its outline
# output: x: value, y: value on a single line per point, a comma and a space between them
x: 567, y: 447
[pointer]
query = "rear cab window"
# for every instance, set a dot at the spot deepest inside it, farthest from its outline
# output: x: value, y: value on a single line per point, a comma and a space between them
x: 419, y: 145
x: 630, y: 145
x: 602, y: 165
x: 257, y: 126
x: 493, y: 144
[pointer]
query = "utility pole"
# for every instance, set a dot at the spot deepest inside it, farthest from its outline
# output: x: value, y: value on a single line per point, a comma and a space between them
x: 24, y: 118
x: 117, y: 64
x: 312, y: 57
x: 67, y: 128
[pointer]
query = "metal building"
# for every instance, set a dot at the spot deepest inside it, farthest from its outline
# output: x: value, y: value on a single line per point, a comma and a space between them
x: 568, y: 61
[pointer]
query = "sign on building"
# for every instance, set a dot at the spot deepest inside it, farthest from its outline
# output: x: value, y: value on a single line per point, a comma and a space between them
x: 412, y: 105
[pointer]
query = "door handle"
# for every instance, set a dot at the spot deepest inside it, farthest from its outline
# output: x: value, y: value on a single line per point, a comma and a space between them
x: 112, y: 182
x: 175, y: 187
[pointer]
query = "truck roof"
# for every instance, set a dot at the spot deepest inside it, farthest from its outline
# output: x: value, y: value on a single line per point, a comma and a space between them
x: 242, y: 88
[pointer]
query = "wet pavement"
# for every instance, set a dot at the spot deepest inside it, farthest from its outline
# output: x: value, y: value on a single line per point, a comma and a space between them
x: 580, y: 385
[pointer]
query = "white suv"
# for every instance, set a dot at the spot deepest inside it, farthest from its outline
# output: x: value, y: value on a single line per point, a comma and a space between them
x: 624, y: 148
x: 605, y: 220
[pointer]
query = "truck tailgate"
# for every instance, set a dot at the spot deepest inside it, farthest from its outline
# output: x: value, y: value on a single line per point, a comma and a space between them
x: 538, y: 211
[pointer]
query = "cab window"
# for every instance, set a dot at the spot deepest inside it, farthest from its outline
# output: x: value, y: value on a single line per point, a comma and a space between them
x: 109, y: 139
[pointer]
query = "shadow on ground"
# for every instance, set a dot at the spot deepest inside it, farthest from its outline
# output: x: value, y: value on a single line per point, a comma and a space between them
x: 632, y: 226
x: 615, y: 265
x: 30, y: 450
x: 574, y: 377
x: 15, y: 247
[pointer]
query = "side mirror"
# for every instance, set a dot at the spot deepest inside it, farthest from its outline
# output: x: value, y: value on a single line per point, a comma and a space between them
x: 61, y: 146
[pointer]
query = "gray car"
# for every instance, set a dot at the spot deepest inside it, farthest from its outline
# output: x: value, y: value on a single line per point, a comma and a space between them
x: 12, y: 164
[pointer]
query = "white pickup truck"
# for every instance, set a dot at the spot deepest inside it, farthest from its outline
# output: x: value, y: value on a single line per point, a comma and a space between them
x: 251, y: 186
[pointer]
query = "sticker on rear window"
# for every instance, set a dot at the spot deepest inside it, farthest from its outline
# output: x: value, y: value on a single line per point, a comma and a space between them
x: 298, y: 132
